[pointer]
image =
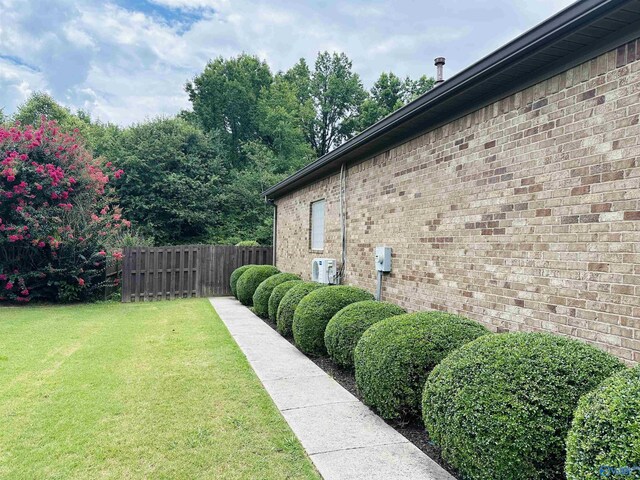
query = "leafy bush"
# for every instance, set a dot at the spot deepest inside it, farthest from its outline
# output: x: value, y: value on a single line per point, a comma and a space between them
x: 57, y: 222
x: 394, y: 357
x: 604, y: 440
x: 263, y: 292
x: 250, y: 279
x: 289, y: 303
x: 174, y: 178
x: 347, y: 326
x: 247, y: 243
x: 235, y: 276
x: 501, y: 406
x: 316, y: 309
x: 277, y: 295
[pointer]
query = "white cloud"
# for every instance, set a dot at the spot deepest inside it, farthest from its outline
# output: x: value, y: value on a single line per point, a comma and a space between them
x: 190, y: 4
x: 17, y: 82
x: 125, y: 63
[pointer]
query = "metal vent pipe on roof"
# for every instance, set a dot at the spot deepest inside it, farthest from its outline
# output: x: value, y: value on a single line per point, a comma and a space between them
x: 439, y: 62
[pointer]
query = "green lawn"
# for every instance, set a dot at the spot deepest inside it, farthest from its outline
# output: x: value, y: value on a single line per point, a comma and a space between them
x: 147, y: 390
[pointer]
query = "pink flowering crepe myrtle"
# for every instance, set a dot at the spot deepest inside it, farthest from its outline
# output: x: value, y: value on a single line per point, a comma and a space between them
x: 56, y: 214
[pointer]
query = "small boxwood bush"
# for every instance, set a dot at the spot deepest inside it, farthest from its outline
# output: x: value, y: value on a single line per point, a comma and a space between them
x: 394, y: 357
x: 250, y: 279
x: 277, y: 295
x: 235, y: 275
x: 347, y: 326
x: 316, y: 309
x: 501, y: 406
x: 248, y: 243
x: 604, y: 440
x: 263, y: 292
x: 288, y: 304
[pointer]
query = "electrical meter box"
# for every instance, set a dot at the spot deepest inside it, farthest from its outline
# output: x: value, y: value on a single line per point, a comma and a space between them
x: 383, y: 259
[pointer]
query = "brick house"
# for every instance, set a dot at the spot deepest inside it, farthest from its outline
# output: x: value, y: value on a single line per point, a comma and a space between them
x: 509, y: 193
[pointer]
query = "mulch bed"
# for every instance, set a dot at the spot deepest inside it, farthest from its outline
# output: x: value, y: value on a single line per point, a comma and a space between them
x: 413, y: 430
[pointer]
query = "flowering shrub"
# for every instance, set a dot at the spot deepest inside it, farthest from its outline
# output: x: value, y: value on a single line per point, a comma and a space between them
x: 56, y: 221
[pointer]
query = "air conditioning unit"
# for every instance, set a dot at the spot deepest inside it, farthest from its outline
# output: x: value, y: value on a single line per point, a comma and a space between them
x: 323, y: 270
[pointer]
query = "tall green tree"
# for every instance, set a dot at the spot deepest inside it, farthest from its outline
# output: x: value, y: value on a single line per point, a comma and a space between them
x: 41, y: 104
x: 388, y: 94
x: 172, y: 180
x: 246, y: 215
x: 225, y: 98
x: 101, y: 138
x: 282, y: 116
x: 337, y: 94
x: 414, y: 88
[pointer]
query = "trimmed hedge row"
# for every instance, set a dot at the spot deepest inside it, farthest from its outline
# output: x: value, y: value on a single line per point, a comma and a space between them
x: 250, y: 279
x: 394, y: 357
x: 501, y: 406
x: 277, y: 295
x: 347, y: 326
x: 289, y: 303
x: 235, y: 276
x: 314, y: 312
x: 604, y: 440
x: 264, y: 290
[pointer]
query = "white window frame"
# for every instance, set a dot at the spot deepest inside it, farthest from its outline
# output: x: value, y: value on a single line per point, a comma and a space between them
x: 317, y: 224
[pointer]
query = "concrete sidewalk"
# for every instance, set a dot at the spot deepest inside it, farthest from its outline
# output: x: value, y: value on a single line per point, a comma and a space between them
x: 344, y: 439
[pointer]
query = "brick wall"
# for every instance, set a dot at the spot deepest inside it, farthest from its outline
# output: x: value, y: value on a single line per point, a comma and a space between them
x: 523, y: 215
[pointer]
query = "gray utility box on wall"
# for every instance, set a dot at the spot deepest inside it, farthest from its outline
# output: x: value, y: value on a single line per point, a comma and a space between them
x: 383, y: 259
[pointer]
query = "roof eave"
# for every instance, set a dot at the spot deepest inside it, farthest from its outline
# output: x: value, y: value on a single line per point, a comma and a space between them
x: 560, y: 24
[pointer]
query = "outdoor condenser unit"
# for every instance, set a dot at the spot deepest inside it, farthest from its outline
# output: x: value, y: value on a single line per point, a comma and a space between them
x: 323, y: 270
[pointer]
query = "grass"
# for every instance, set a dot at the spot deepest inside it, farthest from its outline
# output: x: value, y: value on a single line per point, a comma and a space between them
x: 147, y: 390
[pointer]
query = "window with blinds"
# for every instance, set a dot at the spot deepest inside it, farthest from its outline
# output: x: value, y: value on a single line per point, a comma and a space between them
x: 317, y: 225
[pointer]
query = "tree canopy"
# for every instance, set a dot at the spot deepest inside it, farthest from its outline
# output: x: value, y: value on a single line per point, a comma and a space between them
x: 198, y: 176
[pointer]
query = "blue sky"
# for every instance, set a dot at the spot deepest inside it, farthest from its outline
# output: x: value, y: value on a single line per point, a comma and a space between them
x: 127, y: 60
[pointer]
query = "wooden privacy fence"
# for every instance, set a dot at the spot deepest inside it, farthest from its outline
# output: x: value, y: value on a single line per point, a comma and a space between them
x: 165, y: 273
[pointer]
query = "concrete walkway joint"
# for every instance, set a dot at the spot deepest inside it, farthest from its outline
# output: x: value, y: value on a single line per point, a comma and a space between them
x: 344, y: 439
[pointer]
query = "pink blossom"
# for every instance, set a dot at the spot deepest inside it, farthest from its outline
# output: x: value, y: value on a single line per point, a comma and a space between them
x: 102, y: 253
x: 24, y: 292
x: 3, y: 277
x: 117, y: 255
x: 41, y: 244
x: 10, y: 178
x: 81, y: 282
x: 8, y: 286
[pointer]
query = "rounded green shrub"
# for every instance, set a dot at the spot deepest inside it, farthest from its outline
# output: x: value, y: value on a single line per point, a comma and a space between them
x: 347, y: 326
x: 604, y: 440
x: 277, y: 295
x: 395, y: 356
x: 250, y: 279
x: 501, y: 406
x: 288, y: 304
x: 235, y: 275
x: 263, y: 292
x: 248, y: 243
x: 316, y: 309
